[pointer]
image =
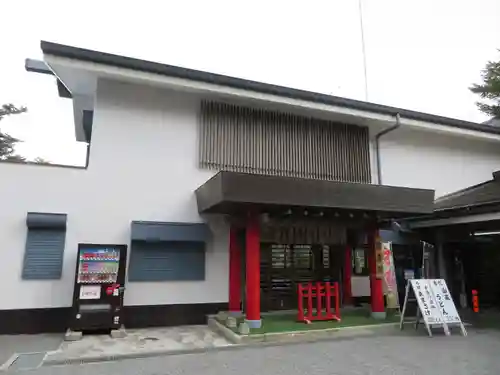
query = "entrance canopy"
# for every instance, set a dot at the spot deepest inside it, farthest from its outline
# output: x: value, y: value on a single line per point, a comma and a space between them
x: 231, y: 193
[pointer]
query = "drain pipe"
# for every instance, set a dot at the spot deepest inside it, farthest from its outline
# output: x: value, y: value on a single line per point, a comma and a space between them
x: 377, y: 146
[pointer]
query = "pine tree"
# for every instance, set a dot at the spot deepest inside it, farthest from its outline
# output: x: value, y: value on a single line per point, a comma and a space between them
x: 489, y: 89
x: 7, y: 142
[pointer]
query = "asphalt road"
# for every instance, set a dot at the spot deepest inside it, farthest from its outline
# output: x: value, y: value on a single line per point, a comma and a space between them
x: 479, y: 353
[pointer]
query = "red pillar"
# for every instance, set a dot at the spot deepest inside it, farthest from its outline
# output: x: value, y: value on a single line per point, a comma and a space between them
x: 234, y: 272
x: 252, y: 252
x: 347, y: 276
x: 376, y: 286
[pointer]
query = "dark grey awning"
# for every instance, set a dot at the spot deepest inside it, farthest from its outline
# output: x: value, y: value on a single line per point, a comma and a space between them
x: 227, y: 191
x: 46, y: 220
x: 158, y: 231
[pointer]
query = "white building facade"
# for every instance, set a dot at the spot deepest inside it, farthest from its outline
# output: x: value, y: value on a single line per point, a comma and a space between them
x: 145, y: 163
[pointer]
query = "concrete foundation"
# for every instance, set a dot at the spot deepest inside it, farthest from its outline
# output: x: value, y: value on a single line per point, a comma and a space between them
x: 72, y: 335
x: 118, y: 333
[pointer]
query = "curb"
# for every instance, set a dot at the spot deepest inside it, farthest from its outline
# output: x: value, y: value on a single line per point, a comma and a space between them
x: 9, y: 362
x: 224, y: 331
x: 235, y: 338
x: 116, y: 357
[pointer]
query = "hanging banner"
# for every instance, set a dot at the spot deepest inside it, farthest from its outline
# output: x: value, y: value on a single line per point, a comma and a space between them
x: 379, y: 260
x: 390, y: 283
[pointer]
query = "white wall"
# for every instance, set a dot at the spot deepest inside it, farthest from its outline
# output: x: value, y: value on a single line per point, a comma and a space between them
x: 143, y: 166
x: 422, y: 159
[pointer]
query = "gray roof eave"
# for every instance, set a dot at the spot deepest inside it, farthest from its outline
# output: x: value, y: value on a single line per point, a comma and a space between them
x: 239, y: 83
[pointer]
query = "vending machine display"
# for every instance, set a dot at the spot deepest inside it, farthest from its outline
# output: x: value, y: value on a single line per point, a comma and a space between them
x: 99, y: 287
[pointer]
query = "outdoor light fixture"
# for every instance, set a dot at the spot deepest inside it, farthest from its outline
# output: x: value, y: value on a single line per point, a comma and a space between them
x: 265, y: 218
x: 491, y: 233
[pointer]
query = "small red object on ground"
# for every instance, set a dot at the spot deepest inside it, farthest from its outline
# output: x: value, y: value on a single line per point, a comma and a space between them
x: 475, y: 301
x: 323, y: 294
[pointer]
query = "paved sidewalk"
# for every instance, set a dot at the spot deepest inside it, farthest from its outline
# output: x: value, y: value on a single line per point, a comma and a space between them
x: 138, y: 343
x: 411, y: 354
x: 13, y: 345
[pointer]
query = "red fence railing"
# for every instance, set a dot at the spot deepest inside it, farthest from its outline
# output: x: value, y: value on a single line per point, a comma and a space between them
x: 318, y: 301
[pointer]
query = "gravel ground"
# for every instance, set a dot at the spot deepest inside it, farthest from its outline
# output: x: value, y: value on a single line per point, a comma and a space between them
x: 479, y: 353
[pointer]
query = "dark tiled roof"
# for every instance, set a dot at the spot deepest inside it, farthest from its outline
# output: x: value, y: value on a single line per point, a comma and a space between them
x: 485, y: 193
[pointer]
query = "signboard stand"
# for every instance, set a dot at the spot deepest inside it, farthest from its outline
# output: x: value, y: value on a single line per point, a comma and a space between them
x: 435, y: 306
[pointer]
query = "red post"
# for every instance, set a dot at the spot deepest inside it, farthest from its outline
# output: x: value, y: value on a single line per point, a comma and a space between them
x: 376, y: 286
x: 337, y: 302
x: 234, y: 272
x: 309, y: 301
x: 347, y: 276
x: 328, y: 291
x: 319, y: 295
x: 475, y: 301
x: 253, y: 271
x: 301, y: 303
x: 323, y: 310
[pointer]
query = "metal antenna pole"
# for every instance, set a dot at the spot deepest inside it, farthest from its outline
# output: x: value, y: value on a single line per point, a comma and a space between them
x: 363, y: 47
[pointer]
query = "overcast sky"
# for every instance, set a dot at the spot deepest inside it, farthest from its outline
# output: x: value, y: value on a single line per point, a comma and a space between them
x: 420, y: 54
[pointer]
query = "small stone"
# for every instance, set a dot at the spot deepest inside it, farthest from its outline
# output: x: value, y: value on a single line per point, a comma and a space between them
x: 231, y: 322
x: 243, y: 329
x: 222, y: 316
x: 72, y: 335
x: 118, y: 333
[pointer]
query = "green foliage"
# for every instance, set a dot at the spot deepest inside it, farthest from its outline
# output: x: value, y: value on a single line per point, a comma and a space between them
x: 489, y: 90
x: 40, y: 160
x: 8, y: 142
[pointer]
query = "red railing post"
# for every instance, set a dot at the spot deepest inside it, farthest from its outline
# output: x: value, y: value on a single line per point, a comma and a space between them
x: 319, y: 291
x: 310, y: 301
x: 337, y: 301
x: 328, y: 293
x: 319, y: 294
x: 301, y: 303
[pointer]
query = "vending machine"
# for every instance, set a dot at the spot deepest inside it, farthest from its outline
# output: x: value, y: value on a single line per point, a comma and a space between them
x: 99, y: 287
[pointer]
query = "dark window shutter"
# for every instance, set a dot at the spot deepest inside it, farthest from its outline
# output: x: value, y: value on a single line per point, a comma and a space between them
x: 166, y: 261
x: 43, y: 257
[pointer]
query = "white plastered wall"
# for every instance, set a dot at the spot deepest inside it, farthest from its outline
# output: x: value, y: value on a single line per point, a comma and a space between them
x: 143, y: 166
x: 445, y: 163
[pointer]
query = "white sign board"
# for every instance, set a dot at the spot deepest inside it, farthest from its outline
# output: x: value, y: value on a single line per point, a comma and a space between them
x: 90, y: 292
x: 435, y: 305
x: 426, y: 301
x: 445, y: 302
